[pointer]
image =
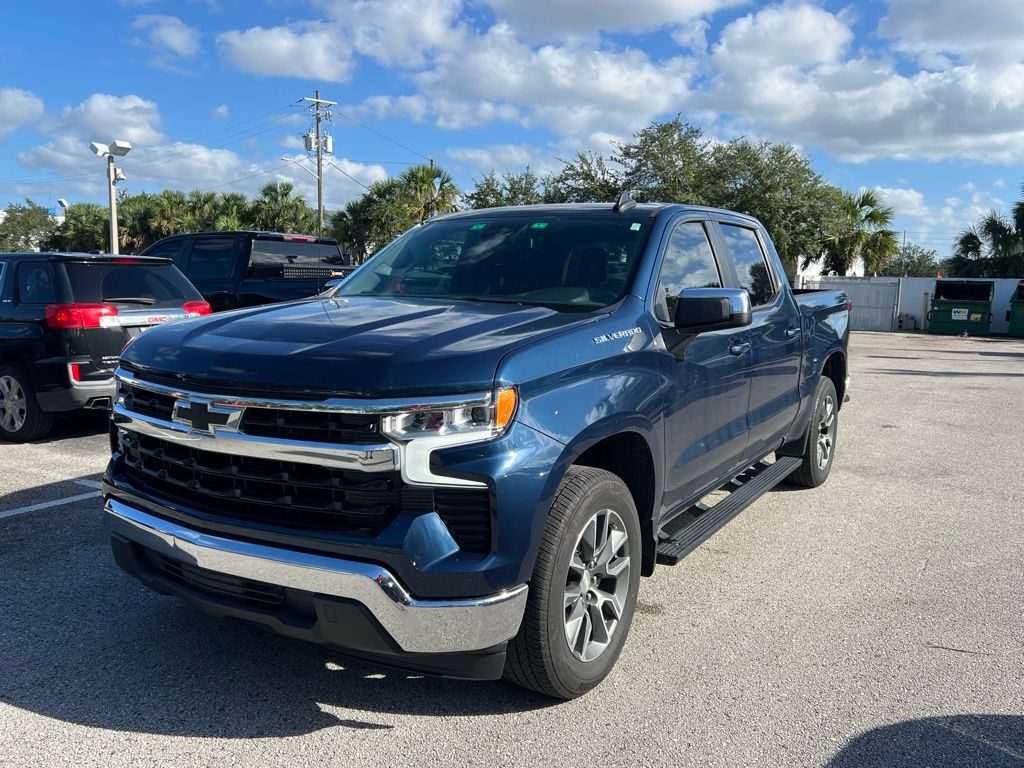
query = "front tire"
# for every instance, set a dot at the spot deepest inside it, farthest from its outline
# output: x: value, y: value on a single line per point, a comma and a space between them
x: 21, y: 418
x: 820, y: 440
x: 584, y: 588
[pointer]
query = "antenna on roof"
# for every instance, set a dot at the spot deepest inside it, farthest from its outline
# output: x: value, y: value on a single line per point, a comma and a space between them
x: 625, y: 202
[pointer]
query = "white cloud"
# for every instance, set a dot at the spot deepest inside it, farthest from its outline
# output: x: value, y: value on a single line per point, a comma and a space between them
x: 220, y: 112
x: 984, y: 31
x: 502, y: 157
x: 554, y: 19
x: 103, y: 117
x: 904, y: 202
x: 783, y: 71
x: 308, y: 50
x: 17, y: 108
x: 168, y: 34
x: 571, y: 88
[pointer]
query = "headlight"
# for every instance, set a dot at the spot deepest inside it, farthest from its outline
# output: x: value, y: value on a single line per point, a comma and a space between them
x: 482, y: 415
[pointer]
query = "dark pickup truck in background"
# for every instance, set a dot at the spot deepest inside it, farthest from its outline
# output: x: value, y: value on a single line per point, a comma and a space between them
x: 64, y: 318
x: 247, y: 269
x: 463, y: 458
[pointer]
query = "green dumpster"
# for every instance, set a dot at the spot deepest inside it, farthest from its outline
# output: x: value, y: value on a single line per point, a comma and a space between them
x: 961, y: 306
x: 1016, y: 313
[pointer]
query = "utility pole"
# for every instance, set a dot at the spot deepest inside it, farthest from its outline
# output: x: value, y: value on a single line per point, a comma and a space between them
x: 116, y: 148
x: 319, y: 115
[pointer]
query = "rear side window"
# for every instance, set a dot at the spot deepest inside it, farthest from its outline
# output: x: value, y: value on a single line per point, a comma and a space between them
x: 689, y: 263
x: 213, y: 258
x: 752, y: 270
x: 129, y: 285
x: 35, y: 284
x: 173, y: 250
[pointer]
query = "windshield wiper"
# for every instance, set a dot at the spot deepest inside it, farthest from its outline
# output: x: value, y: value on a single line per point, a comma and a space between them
x: 130, y: 300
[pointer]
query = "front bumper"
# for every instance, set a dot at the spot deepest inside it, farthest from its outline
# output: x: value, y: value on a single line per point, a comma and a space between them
x: 409, y: 626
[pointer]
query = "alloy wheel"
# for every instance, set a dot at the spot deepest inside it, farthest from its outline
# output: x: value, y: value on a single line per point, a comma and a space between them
x: 826, y: 432
x: 13, y: 405
x: 596, y: 585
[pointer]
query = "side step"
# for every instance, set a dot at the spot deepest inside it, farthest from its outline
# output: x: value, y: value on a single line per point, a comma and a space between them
x: 687, y: 531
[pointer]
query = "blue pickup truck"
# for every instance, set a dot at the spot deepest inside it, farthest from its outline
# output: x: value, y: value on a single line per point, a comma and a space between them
x: 461, y: 460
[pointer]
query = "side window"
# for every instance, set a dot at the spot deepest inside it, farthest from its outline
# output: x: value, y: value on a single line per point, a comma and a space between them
x: 35, y: 284
x: 752, y: 270
x: 689, y: 263
x: 213, y: 258
x: 173, y: 250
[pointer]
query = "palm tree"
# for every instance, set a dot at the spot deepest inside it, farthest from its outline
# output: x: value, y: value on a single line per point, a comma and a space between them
x: 862, y: 232
x: 994, y: 247
x: 84, y: 228
x: 277, y: 210
x: 233, y: 211
x: 431, y: 190
x: 134, y: 213
x: 169, y: 211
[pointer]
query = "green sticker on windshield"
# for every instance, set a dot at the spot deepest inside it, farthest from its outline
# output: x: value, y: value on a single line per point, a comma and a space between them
x: 634, y: 227
x: 479, y: 226
x: 539, y: 225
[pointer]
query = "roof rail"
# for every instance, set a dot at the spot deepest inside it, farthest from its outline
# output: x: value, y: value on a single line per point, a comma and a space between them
x: 625, y: 202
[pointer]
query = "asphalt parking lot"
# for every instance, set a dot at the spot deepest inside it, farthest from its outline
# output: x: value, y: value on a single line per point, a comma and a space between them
x: 875, y: 621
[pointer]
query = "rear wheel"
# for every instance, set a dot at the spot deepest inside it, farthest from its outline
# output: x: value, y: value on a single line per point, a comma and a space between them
x: 21, y: 418
x: 584, y: 588
x: 820, y: 440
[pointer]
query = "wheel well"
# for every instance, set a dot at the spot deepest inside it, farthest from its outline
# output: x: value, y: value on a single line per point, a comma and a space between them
x: 628, y: 456
x: 835, y: 369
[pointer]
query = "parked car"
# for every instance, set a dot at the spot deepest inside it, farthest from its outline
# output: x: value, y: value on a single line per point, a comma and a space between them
x: 462, y: 460
x: 64, y: 318
x: 246, y: 269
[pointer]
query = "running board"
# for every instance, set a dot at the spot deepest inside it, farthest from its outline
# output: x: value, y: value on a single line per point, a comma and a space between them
x: 699, y: 523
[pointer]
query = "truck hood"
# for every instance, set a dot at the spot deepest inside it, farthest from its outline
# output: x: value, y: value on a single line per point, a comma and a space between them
x: 357, y: 347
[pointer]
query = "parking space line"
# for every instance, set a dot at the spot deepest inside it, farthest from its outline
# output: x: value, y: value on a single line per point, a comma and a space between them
x: 94, y: 484
x: 48, y: 504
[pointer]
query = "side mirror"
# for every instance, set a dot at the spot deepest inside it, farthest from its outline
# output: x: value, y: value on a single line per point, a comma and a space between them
x: 711, y: 309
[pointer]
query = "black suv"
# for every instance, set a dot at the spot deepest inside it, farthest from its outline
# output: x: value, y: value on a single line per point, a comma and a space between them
x: 64, y: 319
x: 246, y: 269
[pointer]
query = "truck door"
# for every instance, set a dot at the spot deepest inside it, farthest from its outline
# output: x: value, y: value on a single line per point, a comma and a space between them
x: 706, y: 414
x: 775, y: 344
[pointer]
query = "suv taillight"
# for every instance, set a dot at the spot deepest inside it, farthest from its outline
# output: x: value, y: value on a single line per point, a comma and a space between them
x: 197, y: 308
x: 78, y: 315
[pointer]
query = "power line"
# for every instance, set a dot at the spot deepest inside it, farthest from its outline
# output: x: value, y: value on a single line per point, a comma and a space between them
x: 246, y: 178
x: 386, y: 138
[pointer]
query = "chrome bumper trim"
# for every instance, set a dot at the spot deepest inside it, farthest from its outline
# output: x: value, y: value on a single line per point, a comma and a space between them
x: 418, y: 626
x: 365, y: 458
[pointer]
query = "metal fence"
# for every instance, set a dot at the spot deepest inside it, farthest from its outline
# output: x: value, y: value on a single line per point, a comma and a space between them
x: 874, y: 304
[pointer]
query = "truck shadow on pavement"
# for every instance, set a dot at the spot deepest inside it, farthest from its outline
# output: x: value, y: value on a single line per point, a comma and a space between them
x: 84, y: 643
x: 958, y: 741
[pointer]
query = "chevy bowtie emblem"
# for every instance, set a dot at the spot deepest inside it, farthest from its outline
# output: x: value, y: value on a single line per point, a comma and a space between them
x: 203, y: 416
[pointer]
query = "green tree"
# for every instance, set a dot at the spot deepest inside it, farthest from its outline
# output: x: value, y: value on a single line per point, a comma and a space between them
x: 25, y: 227
x: 233, y: 211
x: 510, y: 188
x: 276, y: 209
x: 666, y: 162
x: 994, y: 247
x: 84, y: 229
x: 861, y: 231
x: 373, y: 220
x: 429, y: 190
x: 134, y: 213
x: 776, y: 184
x: 587, y: 178
x: 169, y: 211
x: 911, y: 260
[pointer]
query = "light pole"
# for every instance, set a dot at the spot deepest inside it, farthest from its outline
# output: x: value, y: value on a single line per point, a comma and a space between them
x: 116, y: 148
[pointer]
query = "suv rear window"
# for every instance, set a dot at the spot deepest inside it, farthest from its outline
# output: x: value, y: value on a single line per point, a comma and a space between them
x: 129, y: 285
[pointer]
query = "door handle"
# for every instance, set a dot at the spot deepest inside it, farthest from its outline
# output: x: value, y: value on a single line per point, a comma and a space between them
x: 739, y: 349
x: 792, y: 333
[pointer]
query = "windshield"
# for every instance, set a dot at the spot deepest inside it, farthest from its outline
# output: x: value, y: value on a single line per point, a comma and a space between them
x: 574, y: 261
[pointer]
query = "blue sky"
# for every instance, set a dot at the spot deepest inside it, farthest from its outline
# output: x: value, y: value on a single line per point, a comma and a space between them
x: 916, y: 97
